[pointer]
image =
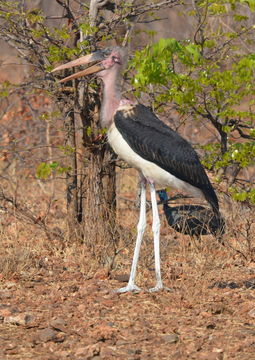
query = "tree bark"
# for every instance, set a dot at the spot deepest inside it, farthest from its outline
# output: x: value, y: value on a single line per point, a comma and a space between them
x: 97, y: 189
x: 91, y: 180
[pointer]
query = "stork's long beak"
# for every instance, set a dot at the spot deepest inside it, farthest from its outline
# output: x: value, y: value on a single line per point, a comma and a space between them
x: 81, y: 61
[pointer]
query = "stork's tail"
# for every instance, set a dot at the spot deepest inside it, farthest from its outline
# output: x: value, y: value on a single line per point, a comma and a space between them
x: 212, y: 199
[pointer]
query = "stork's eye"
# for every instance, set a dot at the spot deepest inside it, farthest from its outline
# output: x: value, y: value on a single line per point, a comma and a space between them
x: 116, y: 59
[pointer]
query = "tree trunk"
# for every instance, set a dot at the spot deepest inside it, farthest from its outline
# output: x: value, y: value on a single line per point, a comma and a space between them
x: 91, y: 180
x: 96, y: 179
x: 100, y: 233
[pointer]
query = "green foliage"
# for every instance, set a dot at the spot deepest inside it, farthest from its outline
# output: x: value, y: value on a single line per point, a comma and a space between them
x: 208, y: 79
x: 87, y: 29
x: 67, y: 150
x: 246, y: 195
x: 241, y: 154
x: 35, y: 17
x: 4, y: 89
x: 49, y: 116
x: 156, y: 65
x: 45, y: 170
x: 57, y: 54
x: 251, y: 4
x: 49, y: 45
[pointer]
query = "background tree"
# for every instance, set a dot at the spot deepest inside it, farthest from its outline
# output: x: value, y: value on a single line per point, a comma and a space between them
x: 210, y: 79
x: 88, y: 164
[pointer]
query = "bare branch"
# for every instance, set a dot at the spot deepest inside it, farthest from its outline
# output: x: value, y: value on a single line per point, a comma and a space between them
x: 23, y: 213
x: 69, y: 15
x: 95, y: 5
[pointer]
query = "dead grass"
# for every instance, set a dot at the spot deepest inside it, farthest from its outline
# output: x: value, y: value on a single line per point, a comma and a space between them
x: 57, y: 278
x: 23, y: 241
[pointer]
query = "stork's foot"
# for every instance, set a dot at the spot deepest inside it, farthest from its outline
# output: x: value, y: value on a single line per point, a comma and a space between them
x: 159, y: 287
x: 156, y: 288
x: 129, y: 287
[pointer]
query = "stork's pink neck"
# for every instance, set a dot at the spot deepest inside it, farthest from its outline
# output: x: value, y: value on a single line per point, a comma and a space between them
x: 111, y: 96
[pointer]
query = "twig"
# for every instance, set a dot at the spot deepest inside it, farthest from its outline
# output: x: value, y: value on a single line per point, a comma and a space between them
x: 26, y: 214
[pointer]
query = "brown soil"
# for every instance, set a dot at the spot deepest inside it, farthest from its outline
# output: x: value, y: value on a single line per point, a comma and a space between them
x: 55, y: 303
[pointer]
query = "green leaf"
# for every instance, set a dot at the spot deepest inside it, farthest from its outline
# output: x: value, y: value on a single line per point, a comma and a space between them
x: 194, y: 50
x: 43, y: 171
x: 251, y: 3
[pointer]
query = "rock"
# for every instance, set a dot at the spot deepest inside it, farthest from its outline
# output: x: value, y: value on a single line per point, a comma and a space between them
x: 121, y: 277
x: 58, y: 324
x: 48, y: 334
x: 20, y: 319
x: 171, y: 338
x: 81, y: 351
x: 59, y: 337
x: 103, y: 332
x: 88, y: 352
x: 107, y: 352
x: 45, y: 335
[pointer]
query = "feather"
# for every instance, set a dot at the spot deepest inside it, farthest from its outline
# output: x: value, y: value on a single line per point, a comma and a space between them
x: 154, y: 141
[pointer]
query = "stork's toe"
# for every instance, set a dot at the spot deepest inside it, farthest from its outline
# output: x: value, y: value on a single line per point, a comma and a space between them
x: 159, y: 287
x: 128, y: 288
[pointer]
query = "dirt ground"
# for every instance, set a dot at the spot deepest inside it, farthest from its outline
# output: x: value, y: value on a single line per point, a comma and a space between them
x: 55, y: 305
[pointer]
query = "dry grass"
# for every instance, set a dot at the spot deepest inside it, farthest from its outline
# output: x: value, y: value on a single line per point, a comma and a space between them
x: 52, y: 277
x: 23, y: 241
x: 25, y: 244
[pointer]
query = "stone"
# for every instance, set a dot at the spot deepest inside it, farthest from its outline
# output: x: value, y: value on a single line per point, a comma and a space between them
x: 19, y: 319
x: 171, y: 338
x: 46, y: 335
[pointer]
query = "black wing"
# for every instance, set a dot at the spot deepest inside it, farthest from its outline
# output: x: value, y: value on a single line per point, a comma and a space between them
x: 154, y: 141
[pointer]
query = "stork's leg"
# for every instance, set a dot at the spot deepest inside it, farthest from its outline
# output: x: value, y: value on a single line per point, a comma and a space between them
x: 156, y: 229
x: 140, y: 231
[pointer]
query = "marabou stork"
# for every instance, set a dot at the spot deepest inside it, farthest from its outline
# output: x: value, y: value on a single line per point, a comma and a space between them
x: 160, y: 154
x: 192, y: 220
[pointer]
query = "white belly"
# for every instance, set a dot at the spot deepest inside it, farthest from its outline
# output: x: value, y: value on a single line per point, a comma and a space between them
x: 150, y: 171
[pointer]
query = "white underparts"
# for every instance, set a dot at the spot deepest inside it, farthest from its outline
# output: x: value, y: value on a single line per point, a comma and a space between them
x: 150, y: 171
